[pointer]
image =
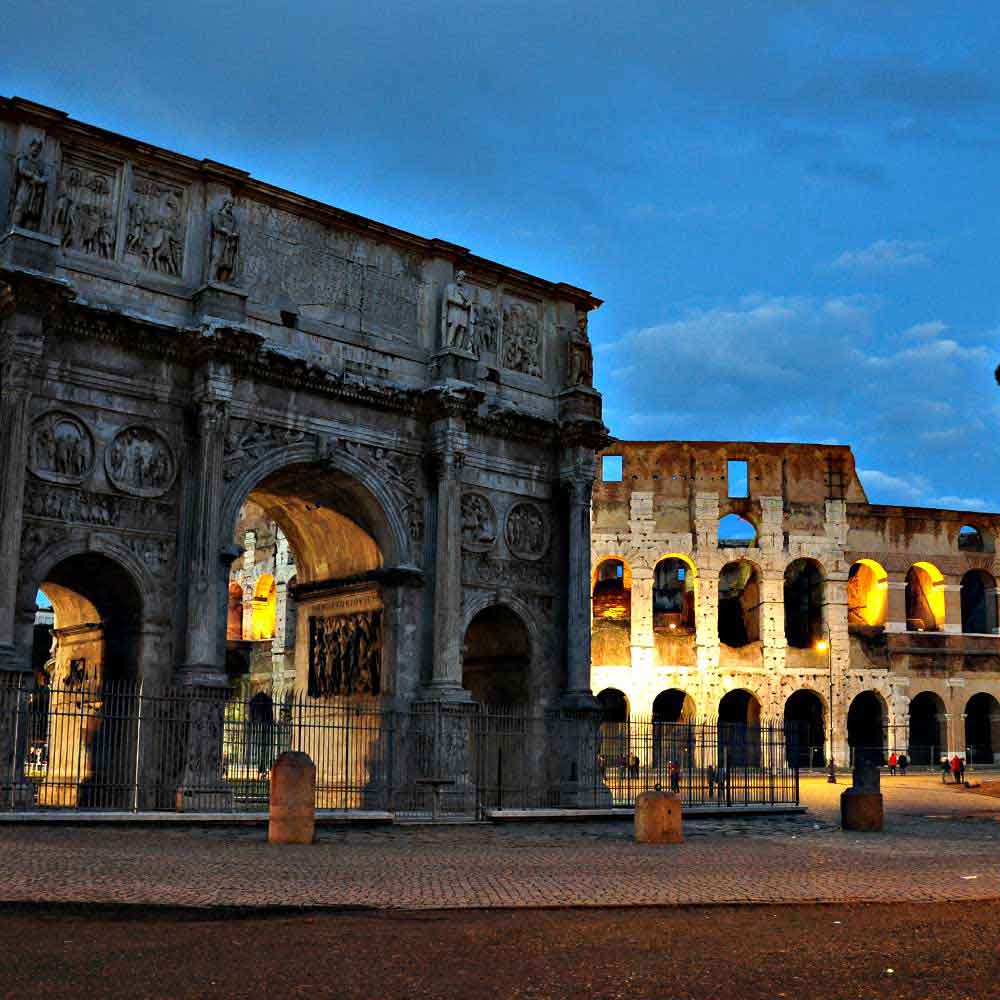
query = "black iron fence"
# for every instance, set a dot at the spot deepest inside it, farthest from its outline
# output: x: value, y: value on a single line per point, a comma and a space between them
x: 134, y: 747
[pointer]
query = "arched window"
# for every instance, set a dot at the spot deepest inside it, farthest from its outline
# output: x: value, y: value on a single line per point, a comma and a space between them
x: 234, y: 617
x: 924, y: 598
x: 736, y: 532
x: 972, y: 539
x: 803, y: 604
x: 979, y: 602
x: 673, y: 596
x: 982, y: 729
x: 739, y: 604
x: 867, y: 593
x: 265, y: 607
x: 611, y: 614
x: 928, y: 728
x: 866, y: 727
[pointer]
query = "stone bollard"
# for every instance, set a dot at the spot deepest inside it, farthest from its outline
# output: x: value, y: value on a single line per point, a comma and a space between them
x: 861, y: 805
x: 658, y: 817
x: 293, y: 800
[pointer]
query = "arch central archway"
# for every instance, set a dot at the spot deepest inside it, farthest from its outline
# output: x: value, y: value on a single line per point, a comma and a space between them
x: 866, y: 727
x: 982, y: 729
x: 805, y: 729
x: 928, y: 728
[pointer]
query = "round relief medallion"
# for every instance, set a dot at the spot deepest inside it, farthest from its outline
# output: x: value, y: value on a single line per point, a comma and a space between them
x: 527, y: 531
x: 479, y: 523
x: 62, y: 449
x: 139, y: 461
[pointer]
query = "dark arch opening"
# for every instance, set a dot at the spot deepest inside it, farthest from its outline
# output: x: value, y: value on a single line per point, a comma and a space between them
x: 805, y: 730
x: 496, y: 657
x: 979, y: 602
x: 739, y: 729
x: 982, y: 729
x: 613, y: 745
x: 866, y: 724
x: 928, y: 729
x: 803, y: 604
x: 972, y: 539
x: 673, y: 716
x: 739, y: 604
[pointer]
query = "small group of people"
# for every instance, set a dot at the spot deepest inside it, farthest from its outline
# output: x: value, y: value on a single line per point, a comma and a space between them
x: 955, y: 768
x: 902, y: 762
x: 716, y: 777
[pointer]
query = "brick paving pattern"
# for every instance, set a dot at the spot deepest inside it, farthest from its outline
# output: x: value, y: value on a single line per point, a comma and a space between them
x: 941, y: 844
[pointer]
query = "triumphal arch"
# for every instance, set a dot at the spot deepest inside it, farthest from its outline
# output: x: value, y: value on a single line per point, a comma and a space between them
x: 180, y: 340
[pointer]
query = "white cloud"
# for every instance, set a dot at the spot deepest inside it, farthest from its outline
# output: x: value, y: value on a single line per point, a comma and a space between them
x: 877, y: 482
x: 920, y: 330
x: 885, y: 255
x: 960, y: 503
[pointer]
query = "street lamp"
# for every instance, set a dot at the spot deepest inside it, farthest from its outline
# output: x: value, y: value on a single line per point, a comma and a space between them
x: 823, y: 646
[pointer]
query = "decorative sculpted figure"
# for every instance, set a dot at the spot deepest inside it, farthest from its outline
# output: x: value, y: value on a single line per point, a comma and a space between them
x: 29, y: 188
x: 478, y: 521
x: 581, y: 358
x: 345, y: 654
x: 139, y: 461
x: 456, y: 311
x: 156, y: 227
x: 61, y: 448
x: 521, y: 340
x: 225, y: 243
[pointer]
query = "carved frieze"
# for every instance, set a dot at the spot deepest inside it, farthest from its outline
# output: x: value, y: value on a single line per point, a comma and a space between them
x: 139, y: 461
x: 485, y: 323
x: 345, y: 654
x: 479, y: 523
x: 248, y: 441
x: 62, y: 448
x: 522, y: 338
x: 332, y: 271
x: 527, y: 531
x: 157, y: 225
x: 84, y: 215
x: 75, y: 506
x: 402, y: 471
x: 484, y: 569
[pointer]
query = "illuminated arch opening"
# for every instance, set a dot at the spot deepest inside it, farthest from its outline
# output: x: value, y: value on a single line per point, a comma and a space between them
x: 265, y: 608
x: 611, y: 614
x: 739, y: 604
x: 924, y: 598
x: 803, y: 604
x: 867, y: 593
x: 674, y: 596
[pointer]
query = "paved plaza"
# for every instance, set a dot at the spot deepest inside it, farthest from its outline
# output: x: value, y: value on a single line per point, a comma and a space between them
x: 941, y: 843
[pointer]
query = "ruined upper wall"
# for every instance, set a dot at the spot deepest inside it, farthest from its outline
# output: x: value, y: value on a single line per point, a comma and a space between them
x: 144, y: 230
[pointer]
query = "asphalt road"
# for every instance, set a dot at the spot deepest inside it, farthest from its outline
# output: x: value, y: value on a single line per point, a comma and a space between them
x: 926, y: 951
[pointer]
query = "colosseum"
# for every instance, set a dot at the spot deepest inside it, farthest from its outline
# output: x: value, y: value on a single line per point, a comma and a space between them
x: 749, y: 580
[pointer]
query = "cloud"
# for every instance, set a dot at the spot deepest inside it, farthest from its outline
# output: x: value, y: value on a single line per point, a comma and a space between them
x: 920, y: 330
x: 885, y: 255
x: 960, y: 503
x: 920, y: 409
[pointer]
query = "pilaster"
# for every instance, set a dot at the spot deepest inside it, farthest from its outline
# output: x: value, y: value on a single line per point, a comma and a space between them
x: 952, y: 608
x: 578, y: 481
x: 895, y: 612
x: 771, y: 537
x: 772, y: 620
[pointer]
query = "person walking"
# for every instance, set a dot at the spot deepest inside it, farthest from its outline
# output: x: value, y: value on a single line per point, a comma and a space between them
x: 893, y: 760
x: 956, y: 767
x: 961, y: 769
x: 904, y: 762
x: 711, y: 776
x: 675, y: 776
x: 945, y: 770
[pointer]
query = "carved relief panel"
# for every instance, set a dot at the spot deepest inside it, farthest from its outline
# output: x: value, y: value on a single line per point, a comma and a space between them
x: 62, y: 448
x: 479, y: 523
x: 85, y: 213
x: 522, y: 337
x: 139, y: 461
x: 156, y: 227
x: 527, y: 531
x: 345, y: 654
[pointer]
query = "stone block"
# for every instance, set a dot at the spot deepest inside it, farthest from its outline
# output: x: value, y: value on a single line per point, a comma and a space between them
x: 658, y: 818
x: 861, y: 811
x: 28, y: 249
x: 293, y: 800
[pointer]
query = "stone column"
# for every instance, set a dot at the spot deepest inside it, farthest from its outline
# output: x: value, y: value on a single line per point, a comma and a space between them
x: 641, y: 618
x: 22, y: 349
x: 895, y: 611
x: 772, y: 620
x: 449, y: 444
x: 579, y: 468
x: 207, y: 573
x: 952, y: 608
x: 707, y: 620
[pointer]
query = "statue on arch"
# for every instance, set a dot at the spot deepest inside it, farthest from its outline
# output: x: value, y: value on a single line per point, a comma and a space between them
x: 225, y: 244
x: 456, y: 311
x: 30, y: 182
x: 581, y: 358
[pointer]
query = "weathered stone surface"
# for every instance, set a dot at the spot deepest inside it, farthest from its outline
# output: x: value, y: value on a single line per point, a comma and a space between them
x: 658, y: 818
x: 292, y: 818
x: 861, y: 811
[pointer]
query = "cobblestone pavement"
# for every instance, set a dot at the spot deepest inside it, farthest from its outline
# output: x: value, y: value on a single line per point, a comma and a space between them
x: 941, y: 843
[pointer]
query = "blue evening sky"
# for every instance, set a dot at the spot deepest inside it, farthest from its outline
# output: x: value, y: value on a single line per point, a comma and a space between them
x: 789, y: 207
